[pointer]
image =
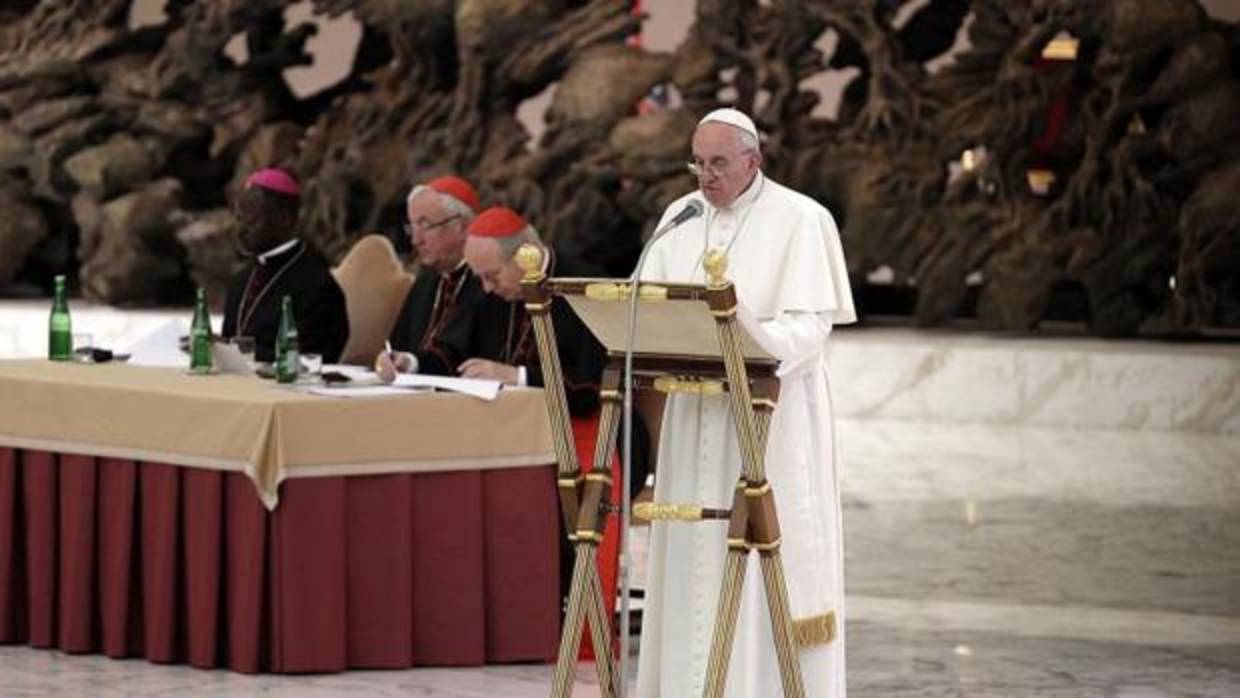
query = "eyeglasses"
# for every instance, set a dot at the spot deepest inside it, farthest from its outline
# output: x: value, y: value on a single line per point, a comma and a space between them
x: 715, y: 167
x: 424, y: 225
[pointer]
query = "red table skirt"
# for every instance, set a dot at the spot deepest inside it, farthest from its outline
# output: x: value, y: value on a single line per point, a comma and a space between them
x: 184, y: 565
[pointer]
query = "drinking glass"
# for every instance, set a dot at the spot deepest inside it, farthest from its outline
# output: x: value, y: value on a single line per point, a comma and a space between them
x: 311, y: 365
x: 83, y: 346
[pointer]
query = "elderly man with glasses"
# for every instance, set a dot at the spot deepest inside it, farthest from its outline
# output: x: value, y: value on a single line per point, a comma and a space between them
x: 432, y: 332
x: 785, y: 258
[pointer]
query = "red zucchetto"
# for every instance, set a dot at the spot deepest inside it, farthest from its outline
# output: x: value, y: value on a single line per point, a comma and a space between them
x: 497, y: 222
x: 457, y: 188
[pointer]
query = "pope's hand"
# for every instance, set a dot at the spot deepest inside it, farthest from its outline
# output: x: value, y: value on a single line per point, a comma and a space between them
x: 388, y: 365
x: 490, y: 370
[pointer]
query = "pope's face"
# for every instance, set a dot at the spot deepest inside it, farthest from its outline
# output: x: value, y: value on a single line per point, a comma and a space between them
x: 498, y: 275
x: 726, y: 167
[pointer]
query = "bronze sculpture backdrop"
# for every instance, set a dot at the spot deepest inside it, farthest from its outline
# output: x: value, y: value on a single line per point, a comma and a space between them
x: 118, y: 148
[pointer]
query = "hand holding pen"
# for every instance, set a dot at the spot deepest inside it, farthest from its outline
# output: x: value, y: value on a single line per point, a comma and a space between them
x: 389, y: 363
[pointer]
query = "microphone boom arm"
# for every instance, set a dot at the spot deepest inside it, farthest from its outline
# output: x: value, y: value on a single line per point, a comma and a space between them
x: 693, y: 208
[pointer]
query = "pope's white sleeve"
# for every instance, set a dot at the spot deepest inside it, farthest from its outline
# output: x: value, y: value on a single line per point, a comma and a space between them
x: 793, y: 338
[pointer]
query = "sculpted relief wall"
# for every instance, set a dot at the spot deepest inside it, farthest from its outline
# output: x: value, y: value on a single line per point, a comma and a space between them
x: 1073, y: 161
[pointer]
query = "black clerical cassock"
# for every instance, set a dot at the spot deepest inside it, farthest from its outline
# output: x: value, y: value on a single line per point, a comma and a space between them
x: 505, y: 334
x: 437, y: 322
x: 300, y: 271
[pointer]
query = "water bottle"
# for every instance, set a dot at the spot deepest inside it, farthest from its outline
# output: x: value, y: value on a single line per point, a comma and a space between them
x: 288, y: 358
x: 60, y: 329
x: 200, y: 336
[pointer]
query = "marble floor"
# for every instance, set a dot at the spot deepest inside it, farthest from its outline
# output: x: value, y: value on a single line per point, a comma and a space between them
x: 1015, y: 561
x: 983, y: 560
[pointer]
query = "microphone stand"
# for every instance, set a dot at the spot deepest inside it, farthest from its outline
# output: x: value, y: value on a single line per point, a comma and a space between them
x: 626, y: 502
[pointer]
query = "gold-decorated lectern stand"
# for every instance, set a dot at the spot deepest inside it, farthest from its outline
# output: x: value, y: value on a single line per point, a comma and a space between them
x: 667, y: 360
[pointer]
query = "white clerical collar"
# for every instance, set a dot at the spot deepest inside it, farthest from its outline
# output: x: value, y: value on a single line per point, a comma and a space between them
x: 277, y: 250
x: 747, y: 197
x: 458, y: 267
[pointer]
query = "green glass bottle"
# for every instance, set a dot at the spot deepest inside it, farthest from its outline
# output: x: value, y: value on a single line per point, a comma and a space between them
x: 200, y: 336
x: 60, y: 329
x: 288, y: 358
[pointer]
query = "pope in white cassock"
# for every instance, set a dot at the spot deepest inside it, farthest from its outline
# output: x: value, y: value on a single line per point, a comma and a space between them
x: 784, y: 257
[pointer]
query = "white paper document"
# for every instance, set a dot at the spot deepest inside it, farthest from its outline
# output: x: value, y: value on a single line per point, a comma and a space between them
x: 483, y: 389
x: 359, y: 391
x: 161, y: 347
x: 363, y: 382
x: 228, y: 358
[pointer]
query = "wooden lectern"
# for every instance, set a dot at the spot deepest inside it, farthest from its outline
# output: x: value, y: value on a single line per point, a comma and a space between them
x: 676, y: 352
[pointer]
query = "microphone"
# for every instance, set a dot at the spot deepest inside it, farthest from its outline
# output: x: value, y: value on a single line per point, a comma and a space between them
x: 693, y: 208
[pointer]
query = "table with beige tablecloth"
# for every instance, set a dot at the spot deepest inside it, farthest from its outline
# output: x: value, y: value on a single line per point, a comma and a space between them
x: 229, y: 521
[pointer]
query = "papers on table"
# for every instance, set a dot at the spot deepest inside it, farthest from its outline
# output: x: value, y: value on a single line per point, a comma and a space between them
x: 161, y: 346
x: 228, y: 358
x: 359, y: 390
x: 484, y: 389
x: 363, y: 383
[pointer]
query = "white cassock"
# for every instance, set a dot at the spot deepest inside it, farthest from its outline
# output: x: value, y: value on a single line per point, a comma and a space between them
x: 785, y: 259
